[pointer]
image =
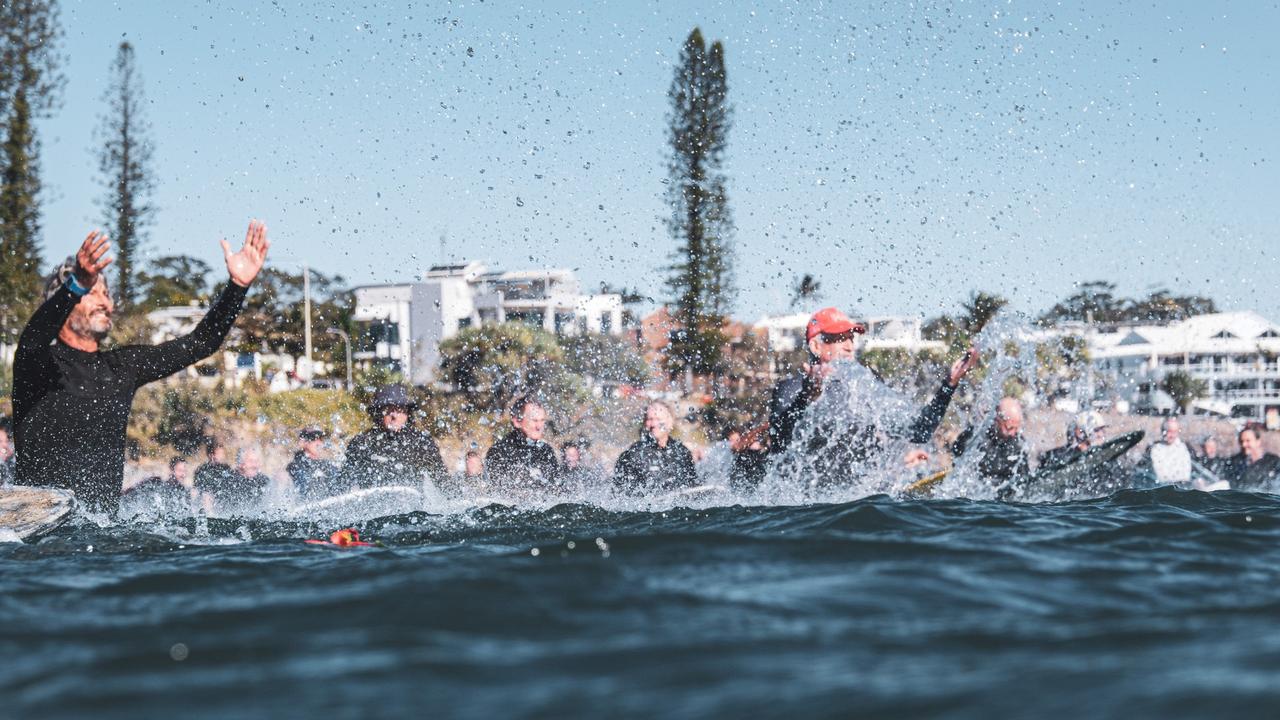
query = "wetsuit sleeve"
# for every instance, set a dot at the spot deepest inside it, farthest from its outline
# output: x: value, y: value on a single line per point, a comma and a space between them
x: 158, y: 361
x: 32, y: 357
x: 688, y: 473
x: 433, y: 463
x: 786, y: 406
x: 355, y: 466
x: 962, y: 443
x: 625, y: 477
x: 931, y: 416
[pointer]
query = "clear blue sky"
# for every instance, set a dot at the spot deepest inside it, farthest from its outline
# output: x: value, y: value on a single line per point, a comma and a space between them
x: 903, y: 153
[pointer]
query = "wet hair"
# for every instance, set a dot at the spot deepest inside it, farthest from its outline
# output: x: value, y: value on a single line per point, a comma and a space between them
x: 520, y: 403
x: 56, y: 279
x: 1251, y: 427
x: 212, y: 444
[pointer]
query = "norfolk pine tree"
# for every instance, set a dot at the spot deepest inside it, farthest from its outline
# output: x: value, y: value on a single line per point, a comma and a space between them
x: 701, y: 273
x: 125, y: 163
x: 32, y: 85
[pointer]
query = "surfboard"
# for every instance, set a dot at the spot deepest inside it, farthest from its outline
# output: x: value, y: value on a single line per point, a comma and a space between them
x: 697, y: 491
x: 926, y: 483
x: 369, y: 502
x: 29, y: 512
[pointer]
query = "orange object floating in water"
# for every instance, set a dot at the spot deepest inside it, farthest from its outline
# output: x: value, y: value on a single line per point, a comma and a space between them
x: 347, y: 537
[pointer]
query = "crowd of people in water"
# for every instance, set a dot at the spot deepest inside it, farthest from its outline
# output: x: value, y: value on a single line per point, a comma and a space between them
x: 71, y: 403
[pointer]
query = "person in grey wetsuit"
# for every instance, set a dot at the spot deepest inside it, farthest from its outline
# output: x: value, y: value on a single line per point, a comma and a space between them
x: 829, y: 339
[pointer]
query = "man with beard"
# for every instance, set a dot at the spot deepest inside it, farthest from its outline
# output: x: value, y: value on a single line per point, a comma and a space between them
x: 71, y: 398
x: 393, y: 452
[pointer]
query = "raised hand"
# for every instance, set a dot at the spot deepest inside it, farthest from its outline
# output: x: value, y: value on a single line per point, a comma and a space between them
x: 962, y: 366
x: 91, y: 259
x: 245, y: 264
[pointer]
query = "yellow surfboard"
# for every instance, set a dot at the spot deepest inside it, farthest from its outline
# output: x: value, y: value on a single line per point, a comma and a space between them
x: 926, y: 483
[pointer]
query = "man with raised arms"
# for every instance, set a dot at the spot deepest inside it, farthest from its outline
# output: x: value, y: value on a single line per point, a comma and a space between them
x: 71, y: 399
x: 829, y: 337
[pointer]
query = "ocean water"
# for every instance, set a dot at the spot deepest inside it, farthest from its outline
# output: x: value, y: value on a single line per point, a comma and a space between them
x: 1156, y: 603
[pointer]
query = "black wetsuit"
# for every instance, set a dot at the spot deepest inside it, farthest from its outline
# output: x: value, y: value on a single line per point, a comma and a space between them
x: 71, y: 408
x: 515, y: 461
x: 1004, y: 460
x: 748, y: 469
x: 233, y: 493
x: 647, y: 467
x: 163, y: 496
x: 315, y: 479
x: 1060, y: 457
x: 836, y: 458
x: 1261, y: 475
x: 379, y: 457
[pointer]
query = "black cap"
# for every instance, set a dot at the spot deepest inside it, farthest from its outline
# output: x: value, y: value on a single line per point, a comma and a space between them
x: 312, y: 433
x: 392, y: 396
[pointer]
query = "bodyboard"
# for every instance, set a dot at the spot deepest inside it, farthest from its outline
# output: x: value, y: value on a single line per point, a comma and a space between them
x: 30, y: 512
x: 366, y: 503
x: 1077, y: 476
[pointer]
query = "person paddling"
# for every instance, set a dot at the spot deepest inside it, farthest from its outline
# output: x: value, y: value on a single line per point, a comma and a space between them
x: 71, y: 398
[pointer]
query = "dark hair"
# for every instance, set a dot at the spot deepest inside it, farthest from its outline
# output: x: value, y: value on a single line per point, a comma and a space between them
x: 1256, y: 428
x: 211, y: 444
x: 6, y: 424
x: 55, y: 280
x: 175, y: 460
x: 520, y: 403
x: 473, y: 453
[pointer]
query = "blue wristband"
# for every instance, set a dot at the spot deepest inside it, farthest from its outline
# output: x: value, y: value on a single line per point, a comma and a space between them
x: 75, y: 287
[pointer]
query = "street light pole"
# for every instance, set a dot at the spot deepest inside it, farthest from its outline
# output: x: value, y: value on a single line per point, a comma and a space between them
x: 346, y: 339
x: 306, y: 317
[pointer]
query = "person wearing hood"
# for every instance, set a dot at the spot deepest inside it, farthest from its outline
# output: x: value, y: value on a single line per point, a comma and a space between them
x: 522, y: 460
x: 393, y: 452
x: 657, y: 462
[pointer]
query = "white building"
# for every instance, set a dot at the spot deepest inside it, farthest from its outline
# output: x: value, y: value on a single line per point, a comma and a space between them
x: 1235, y: 353
x: 407, y: 321
x: 786, y: 333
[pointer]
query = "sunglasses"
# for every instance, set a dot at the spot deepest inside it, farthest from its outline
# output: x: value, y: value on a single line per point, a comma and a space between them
x: 833, y: 338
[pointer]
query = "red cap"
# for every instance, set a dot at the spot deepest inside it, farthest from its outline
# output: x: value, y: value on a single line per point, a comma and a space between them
x: 832, y: 322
